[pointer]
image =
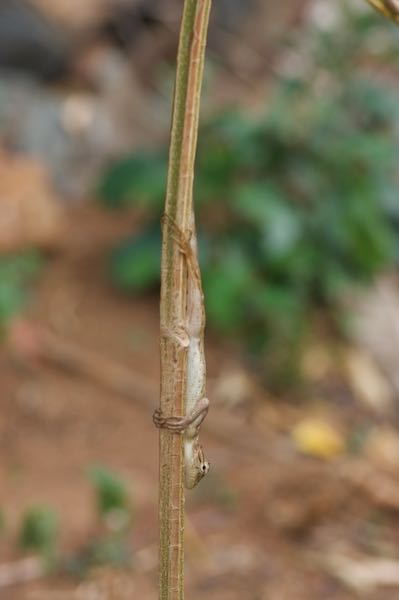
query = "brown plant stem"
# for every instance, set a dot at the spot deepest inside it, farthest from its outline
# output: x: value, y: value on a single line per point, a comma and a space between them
x: 178, y: 207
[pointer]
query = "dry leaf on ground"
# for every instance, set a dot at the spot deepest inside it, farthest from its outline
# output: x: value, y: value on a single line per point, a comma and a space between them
x: 367, y: 381
x: 29, y: 210
x: 375, y: 325
x: 363, y: 575
x: 317, y: 437
x: 382, y: 448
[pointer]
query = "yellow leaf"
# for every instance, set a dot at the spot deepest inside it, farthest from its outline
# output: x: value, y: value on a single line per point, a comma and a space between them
x: 367, y: 381
x: 317, y: 437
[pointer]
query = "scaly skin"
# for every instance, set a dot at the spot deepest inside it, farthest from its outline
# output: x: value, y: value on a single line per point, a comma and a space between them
x: 195, y: 464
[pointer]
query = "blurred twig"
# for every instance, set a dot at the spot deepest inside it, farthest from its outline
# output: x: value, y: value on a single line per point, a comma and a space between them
x: 21, y: 571
x: 29, y: 341
x: 365, y: 574
x: 389, y: 8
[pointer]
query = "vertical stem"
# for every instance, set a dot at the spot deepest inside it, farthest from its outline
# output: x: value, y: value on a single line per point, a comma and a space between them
x: 178, y: 206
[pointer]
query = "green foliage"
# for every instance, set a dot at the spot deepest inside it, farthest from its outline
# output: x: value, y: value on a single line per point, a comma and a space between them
x: 111, y: 543
x: 2, y: 522
x: 300, y: 201
x: 112, y: 498
x: 39, y: 531
x: 16, y: 272
x: 107, y: 550
x: 142, y: 273
x: 139, y: 178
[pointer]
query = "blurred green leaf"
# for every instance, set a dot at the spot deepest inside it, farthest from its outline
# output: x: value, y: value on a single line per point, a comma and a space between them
x: 278, y: 222
x: 111, y: 497
x: 138, y: 179
x: 39, y: 531
x: 227, y: 283
x: 16, y: 272
x: 113, y: 551
x: 301, y: 201
x: 135, y: 264
x: 2, y: 522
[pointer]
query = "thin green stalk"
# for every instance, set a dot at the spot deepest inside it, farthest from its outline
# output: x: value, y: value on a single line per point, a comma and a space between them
x: 178, y: 206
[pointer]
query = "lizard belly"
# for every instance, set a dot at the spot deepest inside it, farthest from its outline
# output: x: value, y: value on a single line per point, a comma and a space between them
x: 188, y: 462
x: 196, y: 374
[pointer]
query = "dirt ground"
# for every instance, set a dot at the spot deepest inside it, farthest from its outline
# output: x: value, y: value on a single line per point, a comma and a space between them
x: 267, y: 524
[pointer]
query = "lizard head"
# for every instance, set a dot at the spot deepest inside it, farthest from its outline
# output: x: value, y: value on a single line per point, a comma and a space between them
x: 200, y: 468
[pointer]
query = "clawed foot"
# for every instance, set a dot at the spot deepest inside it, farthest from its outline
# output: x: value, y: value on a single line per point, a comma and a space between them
x: 180, y: 238
x: 173, y: 424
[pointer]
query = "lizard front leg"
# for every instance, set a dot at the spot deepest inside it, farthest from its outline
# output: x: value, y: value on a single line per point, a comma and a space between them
x: 196, y: 466
x: 181, y: 424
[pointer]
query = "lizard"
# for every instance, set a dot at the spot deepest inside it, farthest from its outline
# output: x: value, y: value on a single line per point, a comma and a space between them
x: 196, y: 465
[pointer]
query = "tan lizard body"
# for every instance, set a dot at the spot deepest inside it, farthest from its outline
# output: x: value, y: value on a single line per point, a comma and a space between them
x: 196, y: 402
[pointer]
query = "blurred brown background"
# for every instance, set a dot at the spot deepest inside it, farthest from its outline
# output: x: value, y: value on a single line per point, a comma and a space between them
x: 297, y: 202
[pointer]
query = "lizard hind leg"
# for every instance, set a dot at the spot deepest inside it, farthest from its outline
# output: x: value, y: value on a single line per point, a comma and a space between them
x: 178, y: 235
x: 180, y: 238
x: 198, y: 414
x: 180, y: 424
x: 173, y: 424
